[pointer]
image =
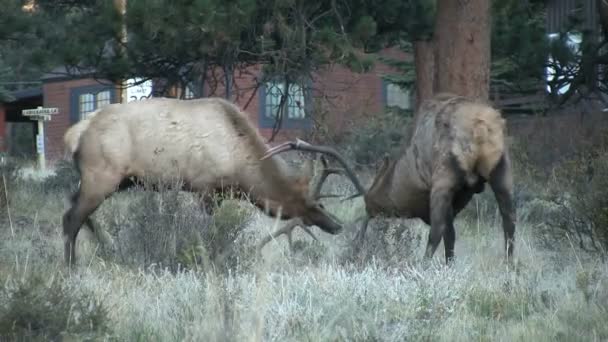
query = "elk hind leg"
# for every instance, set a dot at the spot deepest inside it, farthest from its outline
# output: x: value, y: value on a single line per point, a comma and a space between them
x: 501, y: 182
x: 92, y: 225
x: 89, y: 197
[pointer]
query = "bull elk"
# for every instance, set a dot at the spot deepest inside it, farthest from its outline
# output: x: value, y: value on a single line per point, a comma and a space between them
x: 457, y: 145
x: 208, y: 144
x: 289, y: 227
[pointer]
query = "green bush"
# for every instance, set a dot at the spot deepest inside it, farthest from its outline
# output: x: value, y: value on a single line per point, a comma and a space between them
x: 32, y: 309
x: 382, y: 135
x: 169, y: 228
x: 66, y: 178
x: 392, y: 240
x: 580, y: 194
x: 216, y: 242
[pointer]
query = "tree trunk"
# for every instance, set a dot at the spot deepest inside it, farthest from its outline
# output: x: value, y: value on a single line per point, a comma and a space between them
x: 462, y: 32
x: 424, y: 60
x: 602, y: 6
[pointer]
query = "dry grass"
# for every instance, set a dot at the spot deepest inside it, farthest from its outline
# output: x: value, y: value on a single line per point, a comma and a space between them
x: 319, y: 293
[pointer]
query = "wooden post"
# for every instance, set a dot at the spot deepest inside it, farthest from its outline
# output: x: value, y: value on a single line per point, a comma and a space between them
x: 40, y: 144
x: 41, y: 115
x: 121, y: 7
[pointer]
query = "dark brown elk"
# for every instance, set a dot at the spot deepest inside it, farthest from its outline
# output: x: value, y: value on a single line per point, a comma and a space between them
x: 207, y: 144
x: 457, y: 145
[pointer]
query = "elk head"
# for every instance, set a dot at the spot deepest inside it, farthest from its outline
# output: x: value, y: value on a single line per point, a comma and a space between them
x: 288, y: 228
x: 318, y: 215
x: 311, y: 212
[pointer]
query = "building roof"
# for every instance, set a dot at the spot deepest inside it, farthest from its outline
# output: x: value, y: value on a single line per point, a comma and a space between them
x: 63, y: 72
x: 27, y: 93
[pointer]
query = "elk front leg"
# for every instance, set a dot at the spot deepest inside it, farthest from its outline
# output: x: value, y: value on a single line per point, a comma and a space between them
x: 502, y: 184
x: 441, y: 220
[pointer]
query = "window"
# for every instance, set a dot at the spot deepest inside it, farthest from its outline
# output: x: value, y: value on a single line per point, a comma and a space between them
x: 89, y: 98
x: 395, y: 96
x: 567, y: 48
x: 88, y: 102
x: 189, y: 94
x: 295, y: 100
x: 295, y: 114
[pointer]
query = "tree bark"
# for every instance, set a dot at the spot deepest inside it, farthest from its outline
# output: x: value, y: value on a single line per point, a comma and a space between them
x: 462, y: 32
x: 424, y: 60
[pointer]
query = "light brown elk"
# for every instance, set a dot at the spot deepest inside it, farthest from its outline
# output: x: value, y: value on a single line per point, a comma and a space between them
x: 289, y: 227
x: 456, y: 146
x: 207, y: 144
x: 72, y: 135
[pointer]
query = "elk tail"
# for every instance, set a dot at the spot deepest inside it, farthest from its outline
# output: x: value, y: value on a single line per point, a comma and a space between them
x: 71, y: 138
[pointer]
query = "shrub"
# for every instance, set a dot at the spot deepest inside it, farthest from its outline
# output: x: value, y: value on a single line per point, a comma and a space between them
x: 580, y: 195
x: 35, y: 310
x: 168, y: 227
x: 383, y: 135
x: 65, y: 178
x: 217, y: 240
x: 391, y: 240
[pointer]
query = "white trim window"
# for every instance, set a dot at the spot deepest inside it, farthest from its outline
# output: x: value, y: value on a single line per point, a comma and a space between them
x: 396, y: 96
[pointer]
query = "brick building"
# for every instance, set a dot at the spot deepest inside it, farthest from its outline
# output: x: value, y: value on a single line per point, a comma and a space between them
x: 336, y: 96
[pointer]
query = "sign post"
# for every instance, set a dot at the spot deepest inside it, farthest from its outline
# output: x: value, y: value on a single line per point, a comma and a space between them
x: 41, y: 115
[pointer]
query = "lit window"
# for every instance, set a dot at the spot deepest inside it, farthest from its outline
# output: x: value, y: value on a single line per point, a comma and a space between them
x: 573, y: 43
x: 295, y: 100
x: 397, y: 96
x: 86, y: 104
x: 189, y: 94
x: 103, y: 98
x: 85, y: 100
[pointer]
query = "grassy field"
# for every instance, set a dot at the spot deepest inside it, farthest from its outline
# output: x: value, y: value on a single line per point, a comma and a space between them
x: 166, y: 272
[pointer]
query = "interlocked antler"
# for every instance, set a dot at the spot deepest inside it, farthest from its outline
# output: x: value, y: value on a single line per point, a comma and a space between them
x: 304, y: 146
x: 288, y: 228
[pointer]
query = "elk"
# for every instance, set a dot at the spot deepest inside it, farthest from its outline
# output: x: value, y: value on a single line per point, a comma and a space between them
x: 72, y: 135
x: 288, y: 228
x: 457, y: 145
x: 208, y: 144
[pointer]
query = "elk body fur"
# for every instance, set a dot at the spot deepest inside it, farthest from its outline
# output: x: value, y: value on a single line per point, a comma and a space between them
x: 72, y: 135
x: 206, y: 144
x: 456, y: 147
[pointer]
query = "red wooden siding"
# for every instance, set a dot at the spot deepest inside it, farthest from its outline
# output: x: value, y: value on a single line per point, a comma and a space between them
x: 348, y: 99
x: 57, y: 94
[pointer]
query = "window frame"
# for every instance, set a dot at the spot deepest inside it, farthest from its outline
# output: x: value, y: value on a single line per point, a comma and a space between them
x: 76, y: 92
x: 266, y: 121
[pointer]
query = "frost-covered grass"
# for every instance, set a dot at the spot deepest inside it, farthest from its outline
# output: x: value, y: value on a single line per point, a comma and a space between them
x: 319, y: 293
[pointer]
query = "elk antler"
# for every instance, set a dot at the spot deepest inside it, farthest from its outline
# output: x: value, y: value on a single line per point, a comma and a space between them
x: 302, y: 145
x: 327, y: 171
x: 288, y: 228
